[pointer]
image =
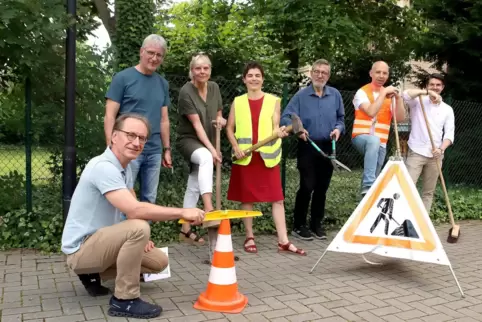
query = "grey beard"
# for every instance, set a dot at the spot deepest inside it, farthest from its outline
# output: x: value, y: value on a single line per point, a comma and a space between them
x: 320, y: 87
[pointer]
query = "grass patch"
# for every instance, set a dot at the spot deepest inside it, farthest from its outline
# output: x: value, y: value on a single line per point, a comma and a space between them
x: 13, y: 159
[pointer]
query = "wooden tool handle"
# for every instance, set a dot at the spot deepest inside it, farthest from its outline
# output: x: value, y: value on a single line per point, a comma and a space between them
x: 397, y: 140
x: 218, y: 169
x: 263, y: 142
x: 444, y: 188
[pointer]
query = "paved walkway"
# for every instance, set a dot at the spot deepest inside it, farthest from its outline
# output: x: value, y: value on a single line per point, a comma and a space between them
x: 279, y: 287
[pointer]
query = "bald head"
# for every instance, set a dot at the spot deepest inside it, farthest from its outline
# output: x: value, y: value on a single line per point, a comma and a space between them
x: 379, y: 73
x: 380, y: 64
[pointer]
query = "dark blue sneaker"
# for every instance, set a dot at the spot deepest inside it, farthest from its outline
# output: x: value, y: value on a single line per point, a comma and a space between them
x: 135, y: 308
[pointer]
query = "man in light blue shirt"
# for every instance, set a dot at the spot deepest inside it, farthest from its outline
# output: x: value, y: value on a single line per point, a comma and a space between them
x: 98, y: 244
x: 320, y: 108
x: 140, y: 89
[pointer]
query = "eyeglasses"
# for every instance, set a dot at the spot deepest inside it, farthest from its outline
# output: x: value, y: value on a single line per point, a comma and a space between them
x: 132, y: 136
x: 319, y: 72
x: 151, y: 54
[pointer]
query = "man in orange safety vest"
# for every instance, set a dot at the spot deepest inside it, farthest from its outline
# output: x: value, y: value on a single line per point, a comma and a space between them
x: 373, y: 115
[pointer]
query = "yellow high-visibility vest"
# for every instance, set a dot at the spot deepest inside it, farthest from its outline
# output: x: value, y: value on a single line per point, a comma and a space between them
x: 271, y: 152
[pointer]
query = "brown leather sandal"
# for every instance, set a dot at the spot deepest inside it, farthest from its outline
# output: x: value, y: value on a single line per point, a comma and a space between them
x: 251, y: 248
x: 286, y: 248
x: 187, y: 237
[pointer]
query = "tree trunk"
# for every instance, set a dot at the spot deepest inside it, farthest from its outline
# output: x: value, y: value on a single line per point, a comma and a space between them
x: 104, y: 14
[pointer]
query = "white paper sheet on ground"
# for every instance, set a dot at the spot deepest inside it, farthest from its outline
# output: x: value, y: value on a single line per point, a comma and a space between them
x: 391, y: 221
x: 166, y: 273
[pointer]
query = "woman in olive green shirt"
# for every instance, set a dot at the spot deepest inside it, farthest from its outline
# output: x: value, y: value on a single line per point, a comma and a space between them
x: 199, y: 105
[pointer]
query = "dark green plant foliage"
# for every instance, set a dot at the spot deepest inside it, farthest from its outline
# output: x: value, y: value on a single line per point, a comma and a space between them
x: 452, y: 37
x: 134, y: 22
x: 42, y: 229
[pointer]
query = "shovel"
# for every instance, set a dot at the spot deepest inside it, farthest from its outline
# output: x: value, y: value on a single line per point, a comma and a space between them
x: 213, y: 231
x: 454, y: 231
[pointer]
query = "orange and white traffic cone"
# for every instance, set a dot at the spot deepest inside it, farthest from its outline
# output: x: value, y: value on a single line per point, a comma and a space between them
x: 222, y: 293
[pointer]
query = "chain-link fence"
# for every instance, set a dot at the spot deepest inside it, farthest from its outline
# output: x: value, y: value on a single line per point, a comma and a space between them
x: 14, y: 158
x: 462, y: 163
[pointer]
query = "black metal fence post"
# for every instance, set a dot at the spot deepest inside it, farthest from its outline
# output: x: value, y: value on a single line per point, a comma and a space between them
x: 69, y: 166
x: 284, y: 101
x: 28, y: 144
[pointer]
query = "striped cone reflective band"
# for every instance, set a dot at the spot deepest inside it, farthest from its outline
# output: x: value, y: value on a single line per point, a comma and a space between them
x: 222, y: 294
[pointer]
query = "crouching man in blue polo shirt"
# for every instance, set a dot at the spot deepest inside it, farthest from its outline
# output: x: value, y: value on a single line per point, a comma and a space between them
x: 98, y: 244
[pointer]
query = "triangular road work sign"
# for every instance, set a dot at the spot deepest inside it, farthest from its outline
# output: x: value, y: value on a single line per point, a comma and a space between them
x: 391, y: 221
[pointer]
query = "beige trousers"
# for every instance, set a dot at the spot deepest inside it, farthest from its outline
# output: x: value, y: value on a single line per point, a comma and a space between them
x: 118, y: 252
x: 426, y: 167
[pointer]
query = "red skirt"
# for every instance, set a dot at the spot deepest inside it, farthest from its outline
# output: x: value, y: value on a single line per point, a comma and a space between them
x: 255, y: 182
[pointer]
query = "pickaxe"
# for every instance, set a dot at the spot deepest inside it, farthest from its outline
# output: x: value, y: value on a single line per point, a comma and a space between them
x: 296, y: 127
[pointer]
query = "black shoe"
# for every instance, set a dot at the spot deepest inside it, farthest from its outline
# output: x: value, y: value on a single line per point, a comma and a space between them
x: 319, y: 233
x: 92, y: 284
x: 302, y: 233
x: 113, y: 299
x: 133, y: 308
x: 364, y: 191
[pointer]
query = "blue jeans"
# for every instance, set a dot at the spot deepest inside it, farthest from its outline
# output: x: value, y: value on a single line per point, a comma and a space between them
x: 374, y: 157
x: 148, y: 166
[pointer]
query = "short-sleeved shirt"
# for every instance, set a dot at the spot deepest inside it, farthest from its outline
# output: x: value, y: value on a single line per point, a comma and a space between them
x: 190, y: 102
x: 143, y: 94
x: 89, y: 208
x: 360, y: 98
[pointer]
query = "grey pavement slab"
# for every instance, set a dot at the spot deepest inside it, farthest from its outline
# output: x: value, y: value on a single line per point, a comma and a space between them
x: 279, y: 287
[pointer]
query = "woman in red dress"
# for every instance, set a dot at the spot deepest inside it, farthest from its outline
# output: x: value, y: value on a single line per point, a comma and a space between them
x: 256, y: 178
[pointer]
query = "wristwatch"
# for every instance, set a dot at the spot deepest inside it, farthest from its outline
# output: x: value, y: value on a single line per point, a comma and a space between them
x: 167, y: 148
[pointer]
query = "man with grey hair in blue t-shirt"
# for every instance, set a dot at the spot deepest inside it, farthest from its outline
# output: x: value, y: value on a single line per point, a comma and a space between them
x: 140, y: 89
x: 98, y: 243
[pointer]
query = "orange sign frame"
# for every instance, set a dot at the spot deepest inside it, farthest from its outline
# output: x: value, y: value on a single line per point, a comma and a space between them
x: 394, y: 171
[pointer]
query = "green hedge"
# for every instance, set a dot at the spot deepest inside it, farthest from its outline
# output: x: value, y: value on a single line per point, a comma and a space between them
x: 42, y: 229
